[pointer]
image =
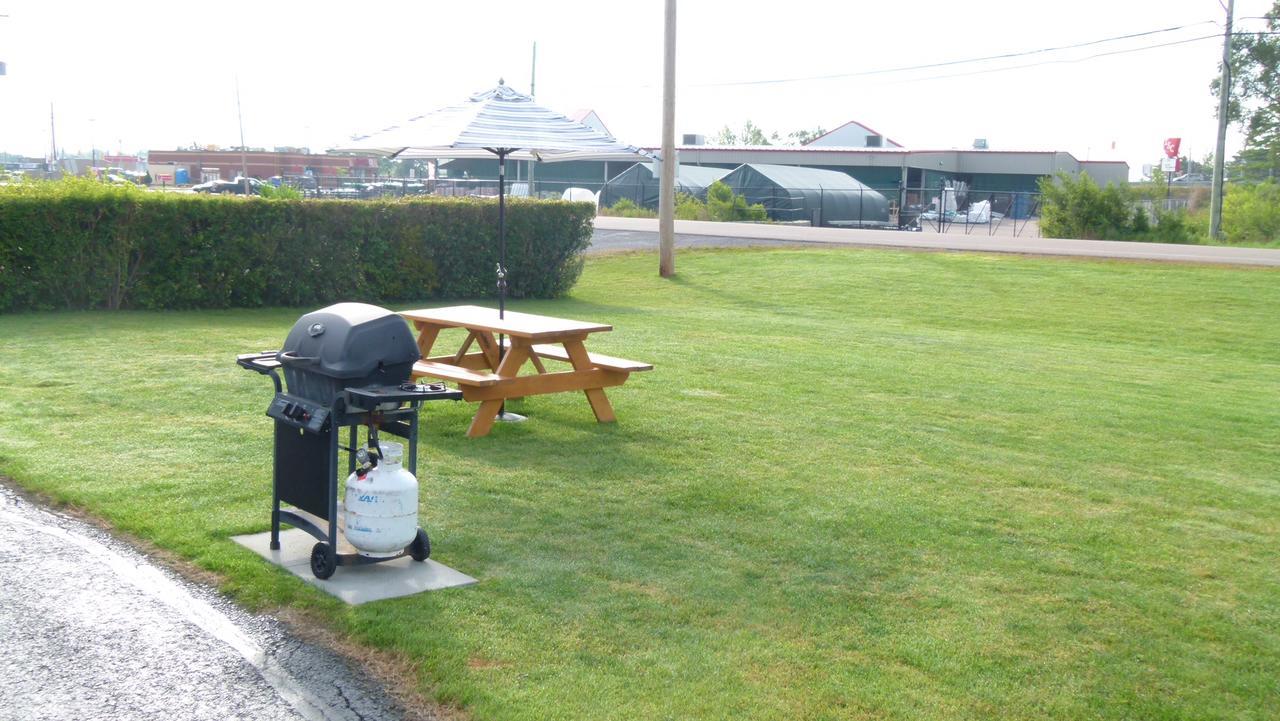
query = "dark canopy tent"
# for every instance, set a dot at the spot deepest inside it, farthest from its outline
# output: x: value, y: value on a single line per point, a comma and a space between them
x: 640, y: 184
x: 823, y: 197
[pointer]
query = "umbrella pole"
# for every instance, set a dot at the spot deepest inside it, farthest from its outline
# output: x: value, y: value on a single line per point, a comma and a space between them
x: 502, y: 237
x: 502, y: 268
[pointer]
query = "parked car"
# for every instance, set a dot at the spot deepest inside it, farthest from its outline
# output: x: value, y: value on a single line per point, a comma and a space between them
x: 234, y: 187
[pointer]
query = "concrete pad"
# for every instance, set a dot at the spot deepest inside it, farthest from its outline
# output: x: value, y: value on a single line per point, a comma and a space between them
x: 355, y: 584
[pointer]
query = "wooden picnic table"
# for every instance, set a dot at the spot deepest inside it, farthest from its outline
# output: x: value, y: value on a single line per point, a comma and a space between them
x: 491, y: 375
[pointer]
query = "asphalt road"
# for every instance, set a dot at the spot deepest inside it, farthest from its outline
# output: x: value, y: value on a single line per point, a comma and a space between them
x: 604, y: 240
x: 92, y: 630
x: 613, y: 234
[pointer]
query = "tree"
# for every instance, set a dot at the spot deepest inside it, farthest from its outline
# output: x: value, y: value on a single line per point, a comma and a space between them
x: 804, y: 137
x: 751, y: 135
x: 726, y: 136
x: 1255, y: 99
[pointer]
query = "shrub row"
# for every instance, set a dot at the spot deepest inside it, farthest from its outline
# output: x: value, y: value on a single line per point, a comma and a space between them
x: 80, y: 244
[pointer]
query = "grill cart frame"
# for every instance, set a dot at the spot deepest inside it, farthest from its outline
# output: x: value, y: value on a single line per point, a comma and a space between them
x: 305, y: 468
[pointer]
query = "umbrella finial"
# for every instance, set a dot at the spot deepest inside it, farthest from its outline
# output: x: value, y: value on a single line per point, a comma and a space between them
x: 500, y: 81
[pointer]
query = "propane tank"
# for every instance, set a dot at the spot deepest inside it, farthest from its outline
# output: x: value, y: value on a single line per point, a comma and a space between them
x: 382, y: 505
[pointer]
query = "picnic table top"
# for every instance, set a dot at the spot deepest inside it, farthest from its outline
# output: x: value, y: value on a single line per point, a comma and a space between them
x: 521, y: 325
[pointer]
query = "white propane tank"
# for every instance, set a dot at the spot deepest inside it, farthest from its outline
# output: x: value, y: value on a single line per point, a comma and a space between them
x: 382, y: 507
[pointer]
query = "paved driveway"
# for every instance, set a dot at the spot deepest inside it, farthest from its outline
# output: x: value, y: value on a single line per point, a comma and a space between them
x: 641, y: 233
x: 92, y: 630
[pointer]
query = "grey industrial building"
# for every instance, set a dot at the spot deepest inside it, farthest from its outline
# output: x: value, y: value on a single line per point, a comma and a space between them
x: 891, y: 168
x: 910, y: 179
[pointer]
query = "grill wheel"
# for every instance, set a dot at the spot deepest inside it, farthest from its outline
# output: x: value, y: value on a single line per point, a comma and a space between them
x: 323, y: 564
x: 420, y: 549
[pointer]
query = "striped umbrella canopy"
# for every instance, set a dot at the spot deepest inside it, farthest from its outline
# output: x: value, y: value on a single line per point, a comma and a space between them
x: 501, y: 122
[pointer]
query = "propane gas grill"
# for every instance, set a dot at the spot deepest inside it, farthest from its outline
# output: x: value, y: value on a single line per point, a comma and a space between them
x: 346, y: 366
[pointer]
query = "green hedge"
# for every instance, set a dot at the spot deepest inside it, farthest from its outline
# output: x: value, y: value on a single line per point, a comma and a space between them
x: 81, y: 244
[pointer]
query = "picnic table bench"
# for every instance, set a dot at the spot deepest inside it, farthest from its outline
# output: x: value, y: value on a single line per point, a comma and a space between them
x: 490, y: 373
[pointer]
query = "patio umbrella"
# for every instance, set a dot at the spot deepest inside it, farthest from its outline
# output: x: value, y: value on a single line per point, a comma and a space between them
x: 499, y: 122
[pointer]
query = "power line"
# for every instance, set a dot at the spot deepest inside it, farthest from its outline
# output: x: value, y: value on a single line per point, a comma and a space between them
x: 1002, y: 56
x: 1069, y: 61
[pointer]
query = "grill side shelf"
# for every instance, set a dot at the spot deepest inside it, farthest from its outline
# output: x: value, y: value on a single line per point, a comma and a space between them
x: 262, y: 362
x: 370, y: 395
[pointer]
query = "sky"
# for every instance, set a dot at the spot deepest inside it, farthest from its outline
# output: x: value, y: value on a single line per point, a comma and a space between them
x: 134, y: 76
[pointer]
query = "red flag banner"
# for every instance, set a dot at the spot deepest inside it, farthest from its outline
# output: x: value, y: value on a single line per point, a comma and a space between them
x: 1171, y: 146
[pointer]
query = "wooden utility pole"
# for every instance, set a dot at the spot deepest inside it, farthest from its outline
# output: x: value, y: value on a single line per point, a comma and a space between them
x: 667, y: 189
x: 1224, y: 97
x: 244, y: 164
x: 53, y: 141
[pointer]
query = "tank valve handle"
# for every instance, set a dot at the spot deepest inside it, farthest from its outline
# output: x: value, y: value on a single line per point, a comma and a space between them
x: 366, y: 460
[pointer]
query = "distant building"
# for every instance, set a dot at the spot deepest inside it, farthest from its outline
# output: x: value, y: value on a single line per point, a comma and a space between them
x: 124, y: 162
x: 590, y: 119
x: 202, y: 165
x: 887, y: 168
x: 857, y: 150
x: 853, y: 135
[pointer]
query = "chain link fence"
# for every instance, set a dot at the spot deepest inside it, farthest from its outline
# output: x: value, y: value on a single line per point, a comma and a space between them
x: 930, y: 210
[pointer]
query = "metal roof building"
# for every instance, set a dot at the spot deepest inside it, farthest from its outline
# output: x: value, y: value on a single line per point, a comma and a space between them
x: 886, y: 168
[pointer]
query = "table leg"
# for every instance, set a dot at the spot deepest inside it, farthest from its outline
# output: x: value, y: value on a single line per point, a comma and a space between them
x: 595, y: 396
x: 426, y: 337
x: 462, y: 352
x: 534, y: 359
x: 487, y: 413
x: 488, y: 346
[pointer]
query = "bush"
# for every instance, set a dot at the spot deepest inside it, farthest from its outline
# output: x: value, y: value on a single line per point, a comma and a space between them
x: 690, y: 208
x: 1078, y: 208
x: 1251, y: 213
x: 626, y: 208
x: 280, y: 192
x: 725, y: 205
x: 722, y: 204
x: 82, y: 244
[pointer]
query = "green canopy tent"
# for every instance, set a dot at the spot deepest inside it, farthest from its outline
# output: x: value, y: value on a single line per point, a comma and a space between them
x: 822, y: 197
x: 640, y: 184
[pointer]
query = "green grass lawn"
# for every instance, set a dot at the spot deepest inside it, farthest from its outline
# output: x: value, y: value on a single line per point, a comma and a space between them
x: 858, y: 484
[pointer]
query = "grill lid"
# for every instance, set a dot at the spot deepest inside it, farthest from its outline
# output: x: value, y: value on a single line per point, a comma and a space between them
x: 349, y: 340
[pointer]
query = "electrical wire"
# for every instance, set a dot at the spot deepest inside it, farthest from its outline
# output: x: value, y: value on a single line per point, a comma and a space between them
x: 1069, y: 61
x: 1066, y: 61
x: 988, y: 58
